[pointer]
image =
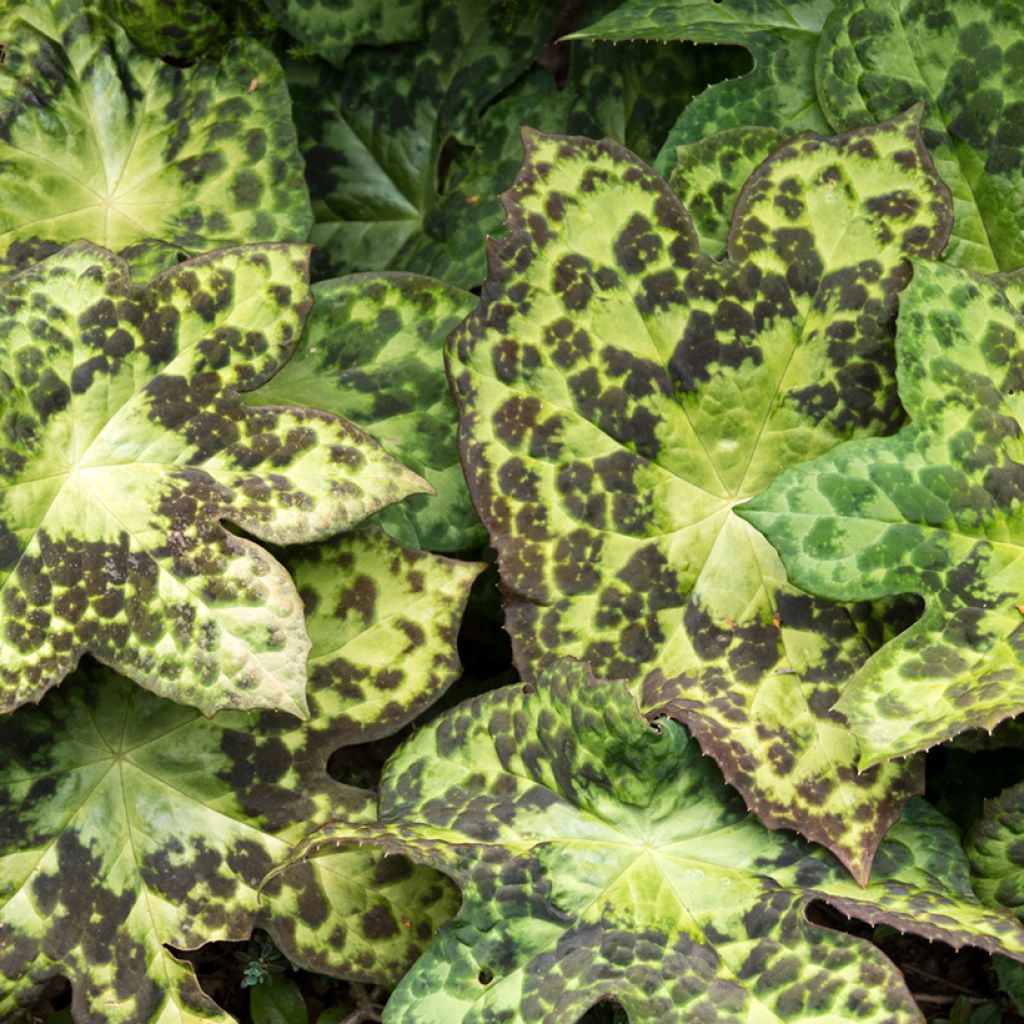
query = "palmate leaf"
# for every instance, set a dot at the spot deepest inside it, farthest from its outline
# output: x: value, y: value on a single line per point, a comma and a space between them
x: 99, y: 141
x: 781, y: 37
x: 620, y: 393
x: 128, y: 823
x: 601, y: 859
x: 372, y: 135
x: 125, y: 443
x: 331, y: 29
x: 935, y: 510
x: 373, y: 351
x: 965, y: 60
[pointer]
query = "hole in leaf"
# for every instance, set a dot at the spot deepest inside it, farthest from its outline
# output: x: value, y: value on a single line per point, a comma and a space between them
x: 485, y: 977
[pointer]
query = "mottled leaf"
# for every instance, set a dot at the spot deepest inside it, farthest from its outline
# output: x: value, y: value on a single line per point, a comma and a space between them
x: 965, y: 60
x: 181, y: 29
x: 599, y: 858
x: 935, y: 510
x: 996, y: 851
x: 781, y: 37
x: 383, y: 621
x: 373, y: 133
x: 620, y: 393
x: 708, y: 175
x: 373, y: 351
x: 125, y: 444
x: 99, y: 141
x: 331, y: 29
x: 128, y: 823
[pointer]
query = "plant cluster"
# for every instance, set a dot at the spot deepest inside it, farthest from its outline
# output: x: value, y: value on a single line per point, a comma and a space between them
x: 693, y: 330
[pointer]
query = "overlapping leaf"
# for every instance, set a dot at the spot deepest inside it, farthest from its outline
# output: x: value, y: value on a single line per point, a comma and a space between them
x: 124, y: 445
x: 331, y: 29
x: 781, y: 36
x: 601, y: 859
x: 180, y: 29
x: 620, y: 393
x: 99, y: 141
x: 373, y: 351
x: 996, y: 852
x: 935, y: 510
x: 372, y: 134
x: 965, y: 60
x: 128, y: 823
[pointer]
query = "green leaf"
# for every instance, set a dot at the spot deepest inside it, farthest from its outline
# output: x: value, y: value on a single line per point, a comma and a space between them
x: 331, y: 29
x: 125, y: 444
x: 373, y: 134
x: 932, y: 510
x: 373, y: 351
x: 383, y: 621
x: 277, y: 1001
x: 181, y: 29
x: 129, y: 824
x: 781, y: 37
x: 599, y: 858
x: 98, y: 141
x: 963, y: 59
x: 620, y: 393
x: 708, y: 175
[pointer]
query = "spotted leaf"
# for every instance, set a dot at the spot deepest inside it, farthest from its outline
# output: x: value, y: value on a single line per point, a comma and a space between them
x: 373, y: 351
x: 99, y: 141
x: 965, y: 60
x: 620, y: 393
x: 183, y: 30
x: 601, y: 859
x: 996, y: 852
x: 129, y: 824
x: 934, y: 510
x: 781, y: 37
x: 331, y: 29
x: 708, y: 175
x: 373, y: 133
x: 125, y: 443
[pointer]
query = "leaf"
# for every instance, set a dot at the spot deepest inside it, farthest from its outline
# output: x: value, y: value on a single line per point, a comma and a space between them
x: 601, y: 859
x: 963, y: 60
x: 181, y: 29
x: 99, y: 141
x: 277, y: 1001
x: 126, y: 444
x: 373, y: 351
x: 708, y: 175
x: 932, y: 510
x: 331, y: 29
x: 373, y: 133
x: 129, y: 824
x: 781, y: 37
x: 620, y: 393
x: 995, y: 852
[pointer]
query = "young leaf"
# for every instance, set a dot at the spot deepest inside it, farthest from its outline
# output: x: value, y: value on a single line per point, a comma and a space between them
x: 620, y: 393
x: 373, y: 352
x: 372, y: 134
x: 277, y: 1001
x: 934, y: 510
x: 781, y: 37
x: 963, y: 59
x: 125, y: 443
x: 600, y: 859
x: 99, y: 141
x: 331, y: 29
x: 128, y: 823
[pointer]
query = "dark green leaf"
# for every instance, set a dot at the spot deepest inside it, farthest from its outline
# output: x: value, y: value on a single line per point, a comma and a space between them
x: 277, y: 1001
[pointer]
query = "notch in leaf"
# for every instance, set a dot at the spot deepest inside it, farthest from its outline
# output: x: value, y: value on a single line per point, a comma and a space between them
x: 124, y: 444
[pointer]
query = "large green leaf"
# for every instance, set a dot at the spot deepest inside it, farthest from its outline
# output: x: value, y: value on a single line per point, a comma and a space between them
x: 599, y: 858
x: 620, y: 393
x: 99, y: 141
x: 331, y: 29
x: 781, y: 36
x: 180, y: 29
x: 125, y: 443
x: 128, y: 823
x: 935, y: 510
x: 965, y: 60
x: 373, y: 351
x: 373, y: 134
